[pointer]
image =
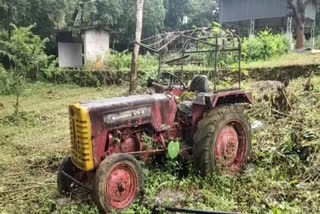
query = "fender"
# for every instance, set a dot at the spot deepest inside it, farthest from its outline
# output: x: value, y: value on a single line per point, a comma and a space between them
x: 206, y: 101
x: 227, y: 97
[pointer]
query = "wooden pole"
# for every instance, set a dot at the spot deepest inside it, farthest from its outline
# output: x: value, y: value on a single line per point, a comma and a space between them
x: 136, y: 48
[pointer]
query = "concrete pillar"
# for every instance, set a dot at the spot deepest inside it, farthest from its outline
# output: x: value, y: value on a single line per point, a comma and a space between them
x: 289, y: 33
x: 252, y: 28
x: 313, y: 36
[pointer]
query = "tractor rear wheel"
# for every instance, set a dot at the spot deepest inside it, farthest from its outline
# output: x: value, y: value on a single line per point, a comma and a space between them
x: 118, y: 182
x: 222, y: 142
x: 65, y: 184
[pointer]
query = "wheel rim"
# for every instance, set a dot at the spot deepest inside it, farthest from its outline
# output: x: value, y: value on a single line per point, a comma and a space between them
x: 121, y: 186
x: 231, y: 147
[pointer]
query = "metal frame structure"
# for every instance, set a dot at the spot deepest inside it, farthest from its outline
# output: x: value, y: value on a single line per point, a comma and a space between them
x: 188, y: 42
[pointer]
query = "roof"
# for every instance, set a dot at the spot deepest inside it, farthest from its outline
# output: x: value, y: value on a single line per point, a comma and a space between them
x: 73, y: 35
x: 232, y: 11
x: 101, y: 27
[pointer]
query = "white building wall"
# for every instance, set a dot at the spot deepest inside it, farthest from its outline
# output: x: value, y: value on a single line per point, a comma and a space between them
x: 70, y: 55
x: 96, y: 44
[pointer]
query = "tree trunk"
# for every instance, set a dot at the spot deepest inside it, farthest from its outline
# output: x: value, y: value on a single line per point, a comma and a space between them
x: 135, y: 52
x: 298, y: 8
x: 300, y: 36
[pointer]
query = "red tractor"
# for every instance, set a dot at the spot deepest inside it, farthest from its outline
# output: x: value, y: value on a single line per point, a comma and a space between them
x: 108, y: 137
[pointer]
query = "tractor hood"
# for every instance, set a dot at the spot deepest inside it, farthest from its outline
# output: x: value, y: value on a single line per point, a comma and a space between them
x: 120, y: 103
x: 133, y: 110
x: 90, y: 122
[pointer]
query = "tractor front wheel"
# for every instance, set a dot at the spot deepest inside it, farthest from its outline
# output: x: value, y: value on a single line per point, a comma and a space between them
x: 118, y: 182
x: 65, y: 184
x: 222, y: 142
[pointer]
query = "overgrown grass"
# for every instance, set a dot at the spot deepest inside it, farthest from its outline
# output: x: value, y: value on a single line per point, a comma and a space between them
x: 278, y: 179
x: 285, y: 60
x: 275, y: 181
x: 31, y: 152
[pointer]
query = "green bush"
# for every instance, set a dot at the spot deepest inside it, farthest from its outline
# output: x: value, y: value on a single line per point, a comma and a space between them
x: 122, y: 61
x: 5, y: 80
x: 26, y: 52
x: 118, y: 61
x: 264, y: 46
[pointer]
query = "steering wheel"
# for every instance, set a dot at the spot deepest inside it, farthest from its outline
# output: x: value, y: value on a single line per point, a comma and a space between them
x: 171, y: 78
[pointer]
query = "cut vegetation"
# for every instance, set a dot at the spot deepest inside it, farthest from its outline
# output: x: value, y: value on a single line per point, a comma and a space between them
x: 293, y: 59
x: 283, y: 175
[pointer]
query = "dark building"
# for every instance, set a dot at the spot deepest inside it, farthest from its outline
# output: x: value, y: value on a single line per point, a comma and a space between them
x: 260, y: 14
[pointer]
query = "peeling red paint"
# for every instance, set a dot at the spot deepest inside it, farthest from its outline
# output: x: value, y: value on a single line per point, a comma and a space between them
x: 159, y: 119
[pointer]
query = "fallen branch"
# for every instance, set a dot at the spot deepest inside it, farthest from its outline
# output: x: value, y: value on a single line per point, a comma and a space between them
x: 308, y: 86
x: 286, y: 98
x: 288, y: 115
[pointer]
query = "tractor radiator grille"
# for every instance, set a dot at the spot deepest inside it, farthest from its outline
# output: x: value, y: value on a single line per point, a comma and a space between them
x: 80, y: 134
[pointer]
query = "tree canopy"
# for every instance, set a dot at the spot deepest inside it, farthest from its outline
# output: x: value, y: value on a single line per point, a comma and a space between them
x: 52, y: 15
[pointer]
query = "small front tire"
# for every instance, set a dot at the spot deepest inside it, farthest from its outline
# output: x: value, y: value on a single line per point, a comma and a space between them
x: 65, y: 184
x: 118, y: 182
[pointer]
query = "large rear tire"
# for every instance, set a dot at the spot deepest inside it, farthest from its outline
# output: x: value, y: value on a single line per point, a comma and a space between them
x: 118, y: 182
x: 222, y: 142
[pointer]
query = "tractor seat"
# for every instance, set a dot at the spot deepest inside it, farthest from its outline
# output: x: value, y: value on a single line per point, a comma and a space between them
x: 185, y: 108
x: 199, y: 83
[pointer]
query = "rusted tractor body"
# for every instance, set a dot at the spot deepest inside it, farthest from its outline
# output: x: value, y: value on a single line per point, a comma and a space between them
x: 109, y: 136
x: 101, y: 128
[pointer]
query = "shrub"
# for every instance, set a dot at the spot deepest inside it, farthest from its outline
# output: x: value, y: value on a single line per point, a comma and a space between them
x: 118, y: 61
x: 3, y: 35
x: 5, y: 80
x: 27, y: 57
x: 264, y: 46
x: 26, y: 52
x: 122, y: 61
